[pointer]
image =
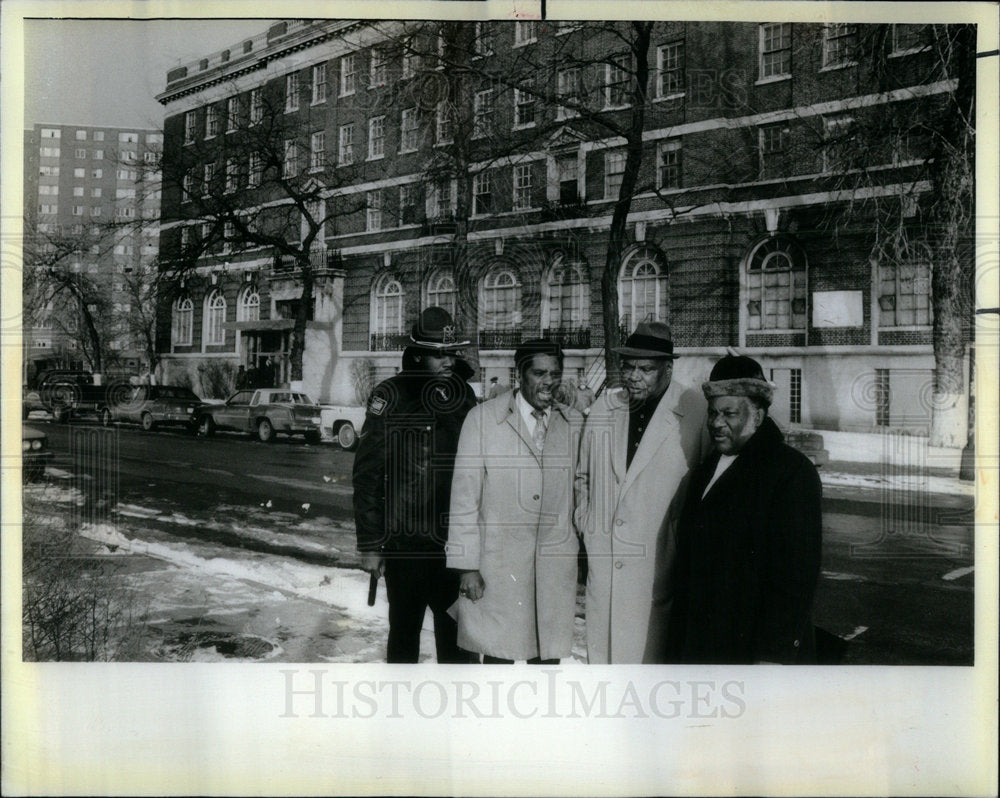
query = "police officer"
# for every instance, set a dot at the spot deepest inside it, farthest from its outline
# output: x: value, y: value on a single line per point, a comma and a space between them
x: 402, y: 485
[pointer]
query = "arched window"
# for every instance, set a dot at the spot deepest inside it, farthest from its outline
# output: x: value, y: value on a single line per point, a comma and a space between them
x: 565, y: 303
x: 249, y: 307
x: 387, y: 306
x: 500, y: 299
x: 182, y: 322
x: 215, y: 317
x: 776, y: 286
x: 441, y: 291
x: 643, y: 289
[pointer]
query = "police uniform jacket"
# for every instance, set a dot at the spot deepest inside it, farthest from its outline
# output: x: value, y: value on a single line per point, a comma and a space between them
x: 748, y: 558
x: 405, y: 460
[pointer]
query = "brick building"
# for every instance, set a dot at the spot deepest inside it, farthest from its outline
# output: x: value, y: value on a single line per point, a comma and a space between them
x: 89, y: 186
x: 772, y: 155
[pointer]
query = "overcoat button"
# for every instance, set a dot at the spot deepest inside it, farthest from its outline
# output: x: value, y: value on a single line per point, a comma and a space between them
x: 796, y: 644
x: 619, y: 522
x: 535, y: 497
x: 619, y: 564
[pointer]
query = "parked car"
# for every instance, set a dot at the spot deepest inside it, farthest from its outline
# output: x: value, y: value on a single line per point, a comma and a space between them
x: 35, y: 453
x: 344, y: 423
x: 263, y: 412
x: 152, y: 405
x: 31, y: 401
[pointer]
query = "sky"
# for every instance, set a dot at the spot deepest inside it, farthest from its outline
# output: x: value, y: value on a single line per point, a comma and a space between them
x: 108, y: 72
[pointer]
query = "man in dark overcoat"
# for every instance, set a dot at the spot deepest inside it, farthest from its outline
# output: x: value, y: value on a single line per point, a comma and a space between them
x: 402, y: 485
x: 749, y: 538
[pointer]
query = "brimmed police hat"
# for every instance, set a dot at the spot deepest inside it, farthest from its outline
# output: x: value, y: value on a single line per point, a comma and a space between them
x: 650, y: 339
x: 435, y: 329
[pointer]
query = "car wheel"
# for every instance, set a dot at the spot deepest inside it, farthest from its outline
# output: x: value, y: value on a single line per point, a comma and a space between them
x: 313, y: 437
x: 147, y: 422
x: 265, y: 431
x: 206, y: 426
x: 106, y: 418
x: 347, y: 436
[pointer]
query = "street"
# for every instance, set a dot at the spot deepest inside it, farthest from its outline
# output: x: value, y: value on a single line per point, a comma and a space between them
x: 235, y: 539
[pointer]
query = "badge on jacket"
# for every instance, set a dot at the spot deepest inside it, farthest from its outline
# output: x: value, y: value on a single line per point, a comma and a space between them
x: 376, y: 405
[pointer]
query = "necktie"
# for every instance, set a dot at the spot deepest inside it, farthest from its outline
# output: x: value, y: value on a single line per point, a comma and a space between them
x: 539, y: 436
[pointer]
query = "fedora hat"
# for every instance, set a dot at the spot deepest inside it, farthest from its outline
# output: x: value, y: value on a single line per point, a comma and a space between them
x: 435, y: 329
x: 649, y: 339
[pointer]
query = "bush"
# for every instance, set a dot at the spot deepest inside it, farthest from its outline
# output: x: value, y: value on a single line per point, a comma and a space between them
x: 75, y: 603
x: 218, y: 380
x: 363, y: 378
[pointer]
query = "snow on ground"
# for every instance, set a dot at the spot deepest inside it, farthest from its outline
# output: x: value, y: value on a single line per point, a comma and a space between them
x: 920, y: 483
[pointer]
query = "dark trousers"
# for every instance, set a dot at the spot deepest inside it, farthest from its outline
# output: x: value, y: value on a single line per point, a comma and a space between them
x: 488, y: 660
x: 414, y: 583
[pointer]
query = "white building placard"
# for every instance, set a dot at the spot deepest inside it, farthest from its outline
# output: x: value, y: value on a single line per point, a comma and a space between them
x: 838, y: 308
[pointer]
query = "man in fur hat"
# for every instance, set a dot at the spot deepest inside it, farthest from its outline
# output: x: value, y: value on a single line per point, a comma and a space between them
x: 749, y: 538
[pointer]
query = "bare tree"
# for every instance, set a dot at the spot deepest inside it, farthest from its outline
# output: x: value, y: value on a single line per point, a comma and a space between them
x: 260, y: 185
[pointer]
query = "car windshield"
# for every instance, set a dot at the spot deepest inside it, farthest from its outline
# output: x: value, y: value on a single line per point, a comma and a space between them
x: 241, y: 398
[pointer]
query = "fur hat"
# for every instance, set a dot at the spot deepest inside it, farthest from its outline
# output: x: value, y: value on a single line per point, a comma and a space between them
x: 738, y: 375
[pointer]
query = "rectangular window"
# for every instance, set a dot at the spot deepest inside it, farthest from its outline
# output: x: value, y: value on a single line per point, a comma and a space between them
x: 189, y: 123
x: 97, y: 174
x: 188, y: 187
x: 882, y: 397
x: 348, y: 75
x: 128, y: 156
x: 49, y: 152
x: 95, y: 192
x: 670, y: 70
x: 441, y: 199
x: 525, y: 33
x: 908, y: 39
x: 373, y: 211
x: 839, y: 143
x: 48, y: 209
x: 211, y: 121
x: 80, y: 152
x: 292, y: 92
x: 481, y: 199
x: 128, y: 138
x: 522, y: 187
x: 125, y: 193
x: 839, y: 40
x: 78, y: 210
x: 408, y: 203
x: 772, y: 145
x: 317, y: 150
x: 524, y: 108
x: 98, y: 135
x: 775, y: 50
x: 208, y: 176
x: 568, y: 89
x: 51, y: 133
x: 232, y: 175
x: 377, y: 71
x: 409, y: 134
x: 481, y: 43
x: 318, y: 83
x: 81, y: 135
x: 256, y: 106
x: 616, y: 81
x: 48, y: 171
x: 345, y: 150
x: 52, y: 190
x: 795, y: 397
x: 668, y: 174
x: 443, y: 126
x: 904, y: 295
x: 98, y: 155
x: 289, y: 164
x: 482, y: 113
x: 149, y: 157
x: 376, y: 137
x: 256, y: 170
x: 124, y: 174
x: 79, y: 171
x: 568, y: 169
x: 409, y: 66
x: 614, y: 171
x: 232, y: 114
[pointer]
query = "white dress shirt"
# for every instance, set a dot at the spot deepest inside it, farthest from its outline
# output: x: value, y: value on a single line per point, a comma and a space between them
x: 526, y: 410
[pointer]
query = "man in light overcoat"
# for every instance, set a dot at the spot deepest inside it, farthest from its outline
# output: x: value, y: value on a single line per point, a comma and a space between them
x: 511, y: 529
x: 639, y: 443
